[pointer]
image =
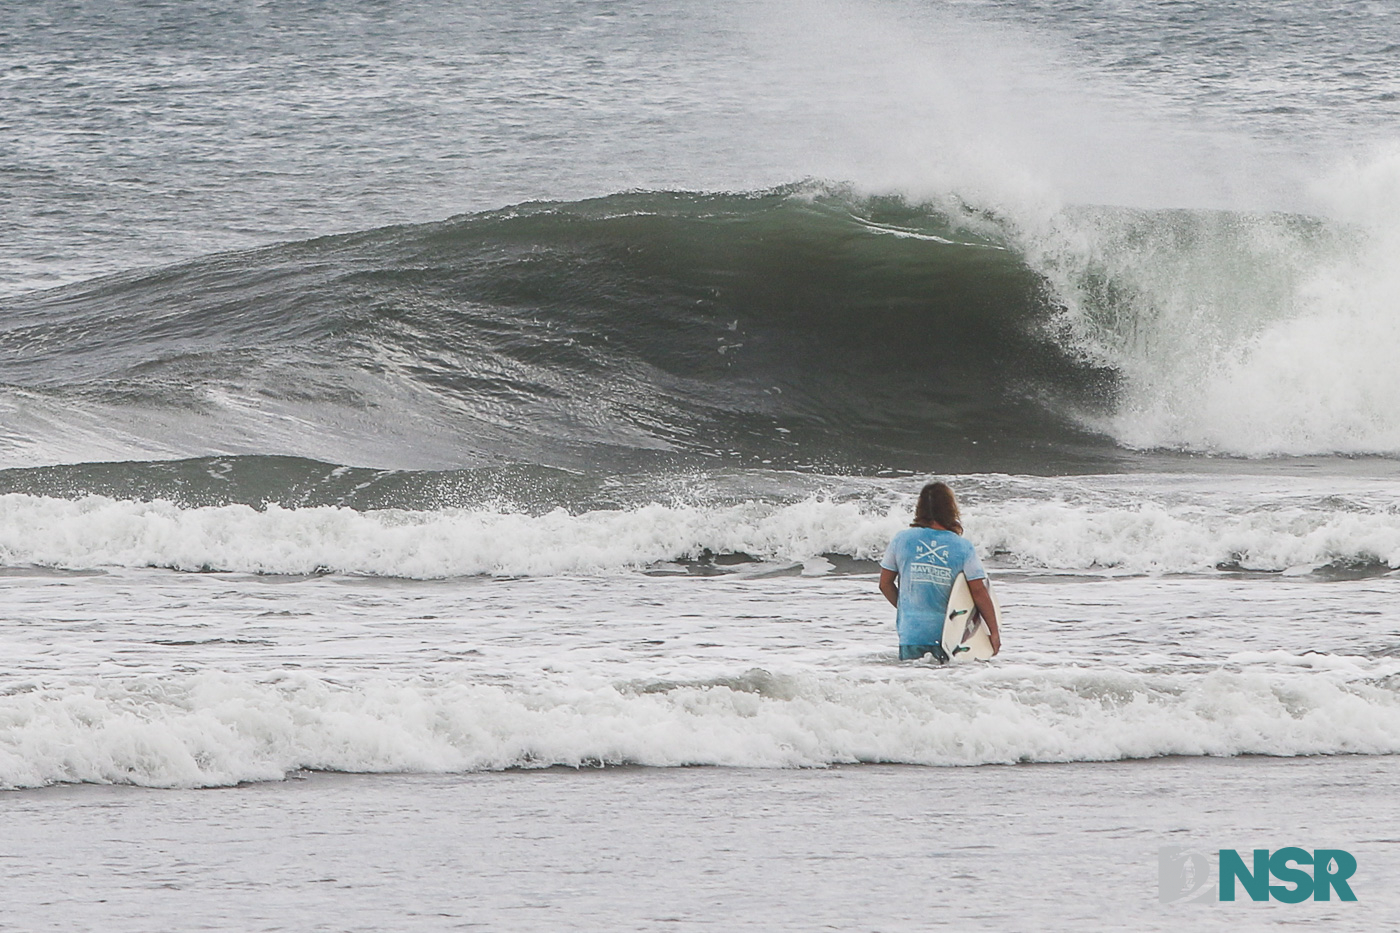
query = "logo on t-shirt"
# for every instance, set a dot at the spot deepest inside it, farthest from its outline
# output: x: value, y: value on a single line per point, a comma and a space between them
x: 926, y: 568
x: 938, y: 553
x: 930, y: 573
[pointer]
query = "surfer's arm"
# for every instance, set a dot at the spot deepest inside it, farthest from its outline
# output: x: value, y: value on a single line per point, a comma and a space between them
x: 982, y: 597
x: 889, y: 587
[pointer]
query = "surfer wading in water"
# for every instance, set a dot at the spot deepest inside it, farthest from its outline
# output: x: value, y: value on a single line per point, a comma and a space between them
x: 918, y: 570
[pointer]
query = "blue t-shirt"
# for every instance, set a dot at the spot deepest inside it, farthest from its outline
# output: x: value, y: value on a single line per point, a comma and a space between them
x: 928, y: 560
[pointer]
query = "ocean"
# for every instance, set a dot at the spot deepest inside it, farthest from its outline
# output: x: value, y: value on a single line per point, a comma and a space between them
x: 445, y: 452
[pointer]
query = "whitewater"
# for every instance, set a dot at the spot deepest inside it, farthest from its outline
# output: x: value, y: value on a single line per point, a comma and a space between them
x: 663, y: 672
x: 1087, y: 524
x: 445, y: 454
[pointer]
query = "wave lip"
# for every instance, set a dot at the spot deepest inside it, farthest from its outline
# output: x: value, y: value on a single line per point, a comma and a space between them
x: 218, y: 729
x: 1241, y: 334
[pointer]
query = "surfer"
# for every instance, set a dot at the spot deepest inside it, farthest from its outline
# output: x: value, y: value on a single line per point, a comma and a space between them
x: 918, y: 570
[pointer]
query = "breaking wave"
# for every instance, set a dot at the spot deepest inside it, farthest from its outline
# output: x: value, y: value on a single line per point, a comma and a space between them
x: 1014, y: 522
x: 807, y: 327
x: 218, y: 728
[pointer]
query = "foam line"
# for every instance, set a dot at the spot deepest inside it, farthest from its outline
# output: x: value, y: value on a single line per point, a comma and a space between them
x: 97, y: 532
x: 217, y: 728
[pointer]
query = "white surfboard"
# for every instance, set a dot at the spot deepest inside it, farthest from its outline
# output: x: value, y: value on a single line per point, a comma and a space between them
x: 965, y: 634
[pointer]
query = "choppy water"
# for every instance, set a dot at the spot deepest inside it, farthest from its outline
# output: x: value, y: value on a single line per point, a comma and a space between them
x: 451, y: 389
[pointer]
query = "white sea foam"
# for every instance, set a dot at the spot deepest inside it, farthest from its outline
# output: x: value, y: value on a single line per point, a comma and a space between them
x: 96, y: 531
x: 218, y: 728
x: 1153, y: 537
x: 1253, y: 335
x: 1142, y: 536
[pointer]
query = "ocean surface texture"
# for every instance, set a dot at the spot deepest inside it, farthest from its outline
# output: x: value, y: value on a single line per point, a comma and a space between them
x: 511, y: 400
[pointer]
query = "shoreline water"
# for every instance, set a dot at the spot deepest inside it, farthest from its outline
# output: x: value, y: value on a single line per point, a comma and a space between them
x: 885, y: 847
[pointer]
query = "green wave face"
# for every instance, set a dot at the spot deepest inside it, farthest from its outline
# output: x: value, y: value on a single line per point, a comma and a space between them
x: 802, y: 328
